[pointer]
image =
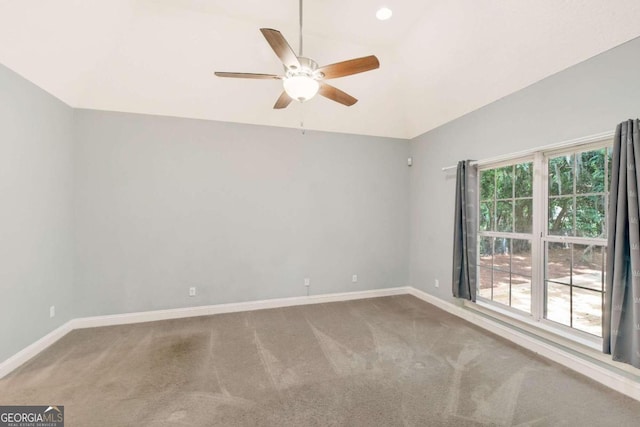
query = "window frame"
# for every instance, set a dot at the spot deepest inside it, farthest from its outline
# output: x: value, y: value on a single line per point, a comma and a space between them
x: 540, y: 236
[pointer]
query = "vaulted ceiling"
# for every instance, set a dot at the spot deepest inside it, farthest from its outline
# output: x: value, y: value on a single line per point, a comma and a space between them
x: 440, y: 59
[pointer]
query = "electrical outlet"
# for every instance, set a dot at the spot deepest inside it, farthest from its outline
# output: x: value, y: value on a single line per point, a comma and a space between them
x: 354, y: 278
x: 52, y: 311
x: 436, y: 283
x: 307, y: 282
x: 192, y: 291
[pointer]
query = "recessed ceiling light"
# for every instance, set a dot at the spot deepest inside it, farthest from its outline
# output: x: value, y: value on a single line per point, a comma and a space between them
x: 384, y: 13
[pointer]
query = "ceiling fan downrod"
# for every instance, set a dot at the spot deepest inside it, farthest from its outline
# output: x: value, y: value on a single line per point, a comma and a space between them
x: 300, y: 46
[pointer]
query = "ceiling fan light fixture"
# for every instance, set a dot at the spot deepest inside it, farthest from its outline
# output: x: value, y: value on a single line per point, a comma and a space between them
x: 303, y: 78
x: 301, y: 87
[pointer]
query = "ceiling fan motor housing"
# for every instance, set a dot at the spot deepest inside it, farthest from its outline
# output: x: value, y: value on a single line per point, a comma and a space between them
x: 308, y: 68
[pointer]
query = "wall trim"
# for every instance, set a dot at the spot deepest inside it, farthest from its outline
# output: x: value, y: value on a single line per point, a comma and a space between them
x: 581, y: 365
x: 208, y: 310
x: 601, y: 374
x: 32, y: 350
x: 29, y: 352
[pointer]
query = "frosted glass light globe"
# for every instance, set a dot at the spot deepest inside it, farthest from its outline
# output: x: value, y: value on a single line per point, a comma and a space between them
x: 301, y: 88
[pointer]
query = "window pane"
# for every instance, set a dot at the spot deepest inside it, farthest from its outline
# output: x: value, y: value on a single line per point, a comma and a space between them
x: 587, y: 311
x: 524, y: 180
x: 501, y: 251
x: 504, y: 182
x: 524, y: 215
x: 486, y: 252
x: 501, y: 281
x: 521, y: 292
x: 487, y: 184
x: 558, y: 303
x: 484, y: 285
x: 504, y: 216
x: 590, y: 216
x: 561, y: 175
x: 590, y: 172
x: 588, y: 266
x: 521, y: 257
x: 561, y: 216
x: 558, y: 262
x: 487, y: 216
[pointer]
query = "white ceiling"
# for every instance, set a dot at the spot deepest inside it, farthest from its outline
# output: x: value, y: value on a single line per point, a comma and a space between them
x: 440, y: 59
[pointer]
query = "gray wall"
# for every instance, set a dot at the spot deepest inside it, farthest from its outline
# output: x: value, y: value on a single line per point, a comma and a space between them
x: 587, y: 99
x: 36, y: 251
x: 241, y: 212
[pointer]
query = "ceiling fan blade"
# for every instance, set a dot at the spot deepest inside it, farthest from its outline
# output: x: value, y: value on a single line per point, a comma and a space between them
x: 283, y: 101
x: 336, y: 94
x: 352, y: 66
x: 280, y: 46
x: 248, y: 75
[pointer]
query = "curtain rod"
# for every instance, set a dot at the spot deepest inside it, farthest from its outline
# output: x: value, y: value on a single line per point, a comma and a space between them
x: 557, y: 145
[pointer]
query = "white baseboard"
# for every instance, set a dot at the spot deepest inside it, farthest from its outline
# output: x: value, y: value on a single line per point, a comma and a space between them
x: 583, y: 366
x: 208, y: 310
x: 34, y: 349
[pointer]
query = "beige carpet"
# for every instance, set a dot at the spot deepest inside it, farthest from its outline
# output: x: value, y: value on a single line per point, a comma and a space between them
x: 377, y: 362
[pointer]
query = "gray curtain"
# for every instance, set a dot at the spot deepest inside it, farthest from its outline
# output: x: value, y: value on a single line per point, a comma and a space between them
x: 621, y: 316
x: 464, y: 233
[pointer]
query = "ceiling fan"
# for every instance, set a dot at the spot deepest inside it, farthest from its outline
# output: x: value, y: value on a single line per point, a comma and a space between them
x: 303, y: 78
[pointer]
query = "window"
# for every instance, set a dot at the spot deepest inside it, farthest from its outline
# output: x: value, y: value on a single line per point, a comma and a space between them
x: 542, y: 235
x: 575, y: 239
x: 506, y: 201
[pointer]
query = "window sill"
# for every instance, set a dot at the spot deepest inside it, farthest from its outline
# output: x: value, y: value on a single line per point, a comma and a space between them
x: 539, y: 327
x: 581, y: 346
